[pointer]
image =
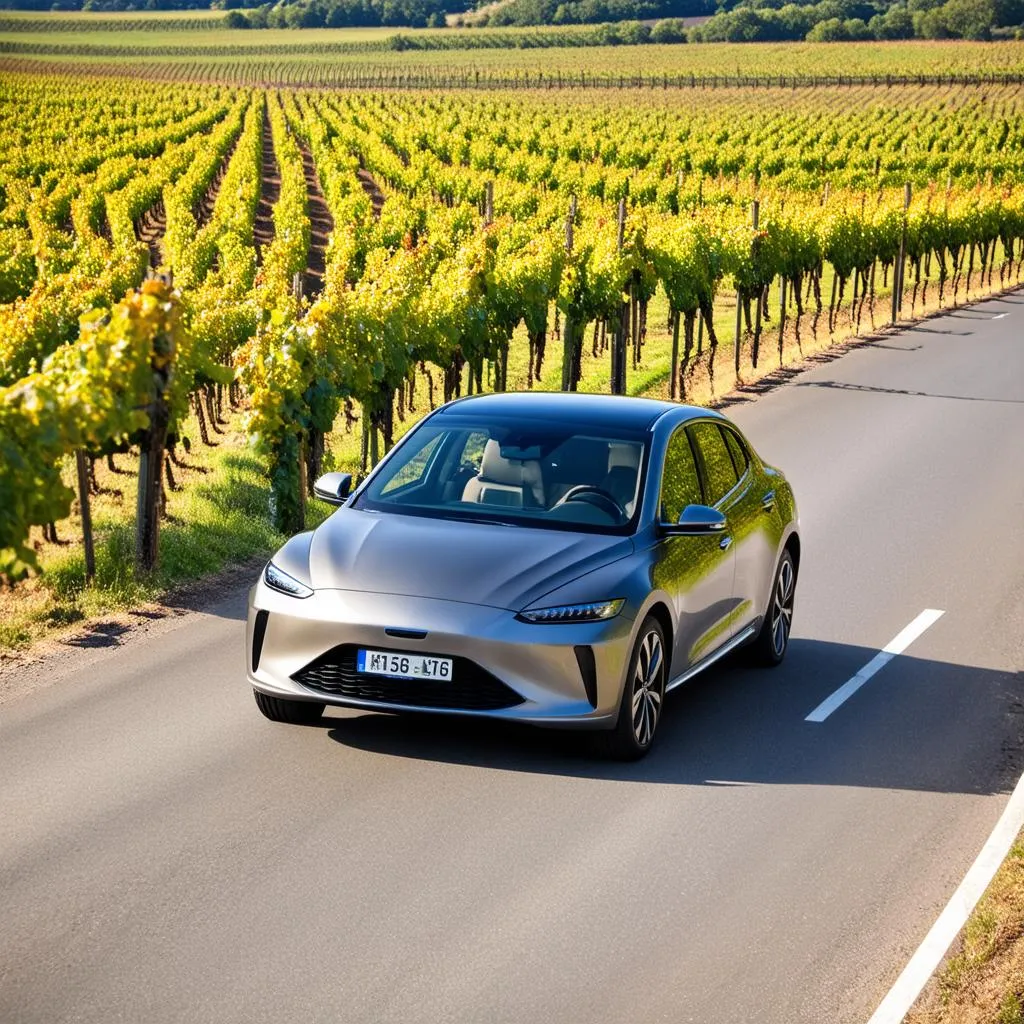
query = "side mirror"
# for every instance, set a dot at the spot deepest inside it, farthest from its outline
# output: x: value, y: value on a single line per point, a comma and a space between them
x: 333, y: 488
x: 696, y: 521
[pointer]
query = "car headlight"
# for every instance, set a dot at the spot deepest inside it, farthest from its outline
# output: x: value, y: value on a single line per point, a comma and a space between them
x: 279, y: 580
x: 593, y: 612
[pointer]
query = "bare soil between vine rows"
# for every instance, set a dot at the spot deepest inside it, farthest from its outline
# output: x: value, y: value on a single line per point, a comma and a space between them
x: 321, y: 225
x: 270, y: 190
x: 372, y: 189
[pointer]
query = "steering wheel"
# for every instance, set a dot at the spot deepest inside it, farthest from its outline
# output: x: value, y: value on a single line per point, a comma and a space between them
x: 596, y: 497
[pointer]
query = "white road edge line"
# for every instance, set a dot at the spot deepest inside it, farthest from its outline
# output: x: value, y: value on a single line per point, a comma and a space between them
x: 897, y: 645
x: 999, y: 316
x: 902, y: 996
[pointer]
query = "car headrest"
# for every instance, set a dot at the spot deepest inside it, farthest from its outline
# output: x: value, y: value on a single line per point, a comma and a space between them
x: 499, y: 470
x: 623, y: 456
x: 496, y: 469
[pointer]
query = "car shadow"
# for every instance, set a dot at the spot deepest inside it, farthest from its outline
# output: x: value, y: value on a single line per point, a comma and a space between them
x: 917, y: 725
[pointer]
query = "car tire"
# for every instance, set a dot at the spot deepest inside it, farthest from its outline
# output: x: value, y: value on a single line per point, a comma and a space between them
x: 772, y: 641
x: 295, y: 712
x: 643, y: 696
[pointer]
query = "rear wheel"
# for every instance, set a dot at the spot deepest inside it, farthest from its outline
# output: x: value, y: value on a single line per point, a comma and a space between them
x: 773, y: 641
x: 642, y: 696
x: 295, y: 712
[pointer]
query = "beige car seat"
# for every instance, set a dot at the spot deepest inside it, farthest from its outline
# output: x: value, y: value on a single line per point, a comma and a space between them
x: 509, y: 482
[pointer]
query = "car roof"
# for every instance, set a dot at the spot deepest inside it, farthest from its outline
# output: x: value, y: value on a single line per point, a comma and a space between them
x: 607, y: 410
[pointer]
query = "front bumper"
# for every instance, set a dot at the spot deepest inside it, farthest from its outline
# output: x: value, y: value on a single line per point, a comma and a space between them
x: 538, y: 661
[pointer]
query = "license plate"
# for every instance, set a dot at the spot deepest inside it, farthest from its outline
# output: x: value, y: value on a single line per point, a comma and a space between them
x: 404, y: 666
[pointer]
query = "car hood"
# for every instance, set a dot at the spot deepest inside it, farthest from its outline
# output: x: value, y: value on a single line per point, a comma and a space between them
x: 479, y: 563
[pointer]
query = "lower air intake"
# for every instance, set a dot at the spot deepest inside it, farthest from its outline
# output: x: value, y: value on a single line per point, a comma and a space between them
x: 470, y: 689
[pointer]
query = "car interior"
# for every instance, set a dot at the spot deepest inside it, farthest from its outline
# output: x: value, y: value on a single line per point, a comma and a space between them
x: 567, y: 477
x: 580, y: 470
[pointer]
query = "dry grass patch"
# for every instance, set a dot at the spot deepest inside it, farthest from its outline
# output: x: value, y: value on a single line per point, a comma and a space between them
x: 983, y: 981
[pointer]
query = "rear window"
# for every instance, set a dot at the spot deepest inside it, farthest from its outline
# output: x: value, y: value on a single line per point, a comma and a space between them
x: 737, y: 450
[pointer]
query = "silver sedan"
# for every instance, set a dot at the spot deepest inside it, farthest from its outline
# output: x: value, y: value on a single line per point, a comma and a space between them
x: 558, y: 559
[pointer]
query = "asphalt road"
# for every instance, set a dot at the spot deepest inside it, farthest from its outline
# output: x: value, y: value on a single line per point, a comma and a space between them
x: 166, y: 855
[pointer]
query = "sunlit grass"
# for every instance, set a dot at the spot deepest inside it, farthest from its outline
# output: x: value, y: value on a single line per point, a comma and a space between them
x: 983, y: 981
x: 219, y: 517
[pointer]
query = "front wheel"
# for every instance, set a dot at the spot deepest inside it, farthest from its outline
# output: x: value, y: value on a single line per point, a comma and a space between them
x: 643, y: 696
x: 295, y: 712
x: 772, y: 642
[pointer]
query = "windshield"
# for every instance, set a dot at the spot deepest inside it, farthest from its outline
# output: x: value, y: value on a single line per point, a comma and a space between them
x: 524, y: 472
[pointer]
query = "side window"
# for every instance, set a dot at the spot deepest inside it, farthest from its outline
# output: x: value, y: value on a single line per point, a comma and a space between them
x: 412, y: 472
x: 473, y: 449
x: 737, y: 450
x: 720, y: 472
x: 680, y: 482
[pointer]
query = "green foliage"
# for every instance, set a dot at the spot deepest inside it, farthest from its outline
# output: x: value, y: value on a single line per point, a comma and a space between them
x: 187, y: 251
x: 96, y: 271
x: 416, y: 276
x: 286, y: 255
x: 689, y: 260
x: 87, y: 393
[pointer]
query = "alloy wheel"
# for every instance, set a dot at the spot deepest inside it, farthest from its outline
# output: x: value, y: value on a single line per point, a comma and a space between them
x: 782, y: 607
x: 648, y: 687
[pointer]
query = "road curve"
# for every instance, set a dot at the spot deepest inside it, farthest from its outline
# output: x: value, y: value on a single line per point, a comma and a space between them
x: 167, y: 855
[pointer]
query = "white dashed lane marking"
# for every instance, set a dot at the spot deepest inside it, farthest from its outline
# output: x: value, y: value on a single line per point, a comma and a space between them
x: 897, y: 645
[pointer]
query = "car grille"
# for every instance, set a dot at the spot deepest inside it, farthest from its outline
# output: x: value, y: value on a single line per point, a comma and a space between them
x: 470, y: 689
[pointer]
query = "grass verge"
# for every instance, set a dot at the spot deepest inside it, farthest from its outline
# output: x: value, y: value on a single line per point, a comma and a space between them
x: 982, y: 982
x: 218, y: 518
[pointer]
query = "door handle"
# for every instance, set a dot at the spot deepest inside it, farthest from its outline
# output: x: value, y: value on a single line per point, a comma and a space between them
x: 768, y: 502
x: 725, y: 542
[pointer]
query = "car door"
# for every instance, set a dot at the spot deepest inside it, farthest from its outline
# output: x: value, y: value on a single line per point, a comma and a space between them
x: 696, y: 572
x: 748, y: 507
x: 723, y: 490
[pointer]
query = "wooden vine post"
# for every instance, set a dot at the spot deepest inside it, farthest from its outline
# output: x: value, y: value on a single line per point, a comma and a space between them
x: 569, y: 328
x: 618, y: 368
x: 501, y: 357
x: 673, y: 375
x: 782, y: 315
x: 303, y: 481
x: 81, y: 464
x: 897, y: 274
x: 755, y: 211
x: 151, y: 467
x: 159, y: 306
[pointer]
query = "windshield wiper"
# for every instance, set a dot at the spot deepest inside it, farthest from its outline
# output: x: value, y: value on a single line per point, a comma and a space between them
x: 482, y: 521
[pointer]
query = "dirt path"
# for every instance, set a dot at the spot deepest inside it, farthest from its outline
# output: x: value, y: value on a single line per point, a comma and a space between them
x: 270, y: 189
x: 203, y: 210
x: 372, y: 189
x: 150, y: 228
x: 152, y: 225
x: 321, y: 224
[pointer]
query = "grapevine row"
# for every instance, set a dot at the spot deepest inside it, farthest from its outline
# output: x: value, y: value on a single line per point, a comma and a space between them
x: 495, y: 216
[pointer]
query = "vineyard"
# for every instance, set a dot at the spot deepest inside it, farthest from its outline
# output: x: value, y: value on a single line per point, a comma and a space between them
x: 329, y: 265
x: 547, y: 57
